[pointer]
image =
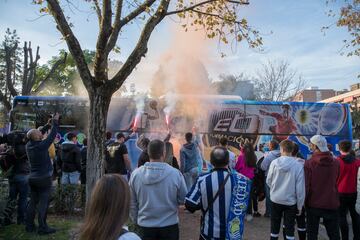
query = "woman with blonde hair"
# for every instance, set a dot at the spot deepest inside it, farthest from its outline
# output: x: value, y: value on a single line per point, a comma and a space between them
x: 108, y: 211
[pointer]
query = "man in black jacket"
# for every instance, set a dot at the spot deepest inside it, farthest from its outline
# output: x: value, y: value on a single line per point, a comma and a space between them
x: 70, y: 160
x: 117, y: 158
x: 40, y: 179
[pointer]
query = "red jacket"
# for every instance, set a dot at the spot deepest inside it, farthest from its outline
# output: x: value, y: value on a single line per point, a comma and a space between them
x: 349, y: 166
x: 321, y: 174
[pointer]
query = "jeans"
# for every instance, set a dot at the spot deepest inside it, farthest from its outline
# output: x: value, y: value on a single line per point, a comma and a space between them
x: 190, y: 177
x: 347, y: 204
x: 19, y: 189
x: 267, y: 199
x: 40, y: 192
x: 330, y: 219
x: 160, y: 233
x: 289, y: 213
x: 70, y: 177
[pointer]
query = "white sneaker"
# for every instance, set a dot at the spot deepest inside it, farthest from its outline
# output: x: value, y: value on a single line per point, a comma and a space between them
x: 249, y: 217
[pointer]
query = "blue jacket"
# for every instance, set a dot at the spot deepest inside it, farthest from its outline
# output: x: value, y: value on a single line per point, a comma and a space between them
x: 38, y: 154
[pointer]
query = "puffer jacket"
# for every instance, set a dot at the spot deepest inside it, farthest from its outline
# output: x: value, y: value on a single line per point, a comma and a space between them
x: 358, y: 193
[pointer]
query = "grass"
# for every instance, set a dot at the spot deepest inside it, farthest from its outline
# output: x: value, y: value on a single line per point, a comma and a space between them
x: 63, y: 226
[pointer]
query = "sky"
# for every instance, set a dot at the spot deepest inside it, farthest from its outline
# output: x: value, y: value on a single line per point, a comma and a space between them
x: 291, y: 31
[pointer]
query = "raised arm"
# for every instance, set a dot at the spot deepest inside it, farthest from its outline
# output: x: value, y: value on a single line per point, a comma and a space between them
x: 45, y: 144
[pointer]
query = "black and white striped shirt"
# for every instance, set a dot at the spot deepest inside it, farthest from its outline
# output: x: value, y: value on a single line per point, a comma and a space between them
x: 204, y: 190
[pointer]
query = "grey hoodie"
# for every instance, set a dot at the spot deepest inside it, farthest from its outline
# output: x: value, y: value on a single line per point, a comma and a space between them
x: 157, y: 189
x: 286, y: 181
x: 269, y: 157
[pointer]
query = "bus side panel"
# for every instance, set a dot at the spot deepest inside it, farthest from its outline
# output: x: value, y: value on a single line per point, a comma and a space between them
x: 263, y: 122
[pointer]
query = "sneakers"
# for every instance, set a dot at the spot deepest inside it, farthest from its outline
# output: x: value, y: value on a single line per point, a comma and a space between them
x: 46, y: 231
x: 256, y: 214
x: 249, y: 217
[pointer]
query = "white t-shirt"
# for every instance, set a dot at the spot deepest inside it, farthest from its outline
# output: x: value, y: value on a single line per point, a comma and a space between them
x: 129, y: 236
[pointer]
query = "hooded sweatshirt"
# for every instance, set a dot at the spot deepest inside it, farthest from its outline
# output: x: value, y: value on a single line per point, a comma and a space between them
x: 349, y: 166
x: 189, y: 155
x: 286, y: 181
x: 157, y: 189
x: 269, y: 157
x: 70, y: 157
x: 321, y: 174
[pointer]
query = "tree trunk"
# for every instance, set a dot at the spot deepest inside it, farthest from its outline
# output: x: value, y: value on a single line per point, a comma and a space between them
x: 99, y: 105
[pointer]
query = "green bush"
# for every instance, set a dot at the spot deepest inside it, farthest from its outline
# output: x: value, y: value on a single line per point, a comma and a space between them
x: 68, y: 198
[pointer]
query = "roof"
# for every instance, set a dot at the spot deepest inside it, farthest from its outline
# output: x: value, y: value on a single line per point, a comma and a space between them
x: 346, y: 97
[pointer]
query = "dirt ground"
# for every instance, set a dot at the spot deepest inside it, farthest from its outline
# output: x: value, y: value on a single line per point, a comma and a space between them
x: 257, y: 229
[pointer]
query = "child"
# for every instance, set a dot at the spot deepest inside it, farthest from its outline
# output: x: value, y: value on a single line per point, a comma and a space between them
x: 287, y: 190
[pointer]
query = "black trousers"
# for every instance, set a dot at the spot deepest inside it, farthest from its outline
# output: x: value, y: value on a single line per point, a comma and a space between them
x: 347, y: 204
x: 330, y: 219
x: 301, y: 225
x: 289, y: 213
x: 40, y: 189
x: 253, y: 201
x: 160, y: 233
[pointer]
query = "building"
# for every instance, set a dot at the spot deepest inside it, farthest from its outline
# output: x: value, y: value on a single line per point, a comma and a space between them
x: 351, y: 97
x: 314, y: 94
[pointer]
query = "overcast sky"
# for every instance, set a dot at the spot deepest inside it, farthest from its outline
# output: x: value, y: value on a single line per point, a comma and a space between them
x: 291, y: 30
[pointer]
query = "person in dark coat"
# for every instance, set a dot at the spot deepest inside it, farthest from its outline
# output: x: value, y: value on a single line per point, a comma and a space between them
x: 40, y: 179
x: 70, y: 160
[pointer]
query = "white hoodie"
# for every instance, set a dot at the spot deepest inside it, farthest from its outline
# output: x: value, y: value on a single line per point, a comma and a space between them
x: 287, y: 182
x: 358, y: 193
x: 157, y: 189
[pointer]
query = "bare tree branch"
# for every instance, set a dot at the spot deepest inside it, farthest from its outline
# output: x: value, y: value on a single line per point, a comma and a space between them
x: 192, y: 8
x: 98, y: 10
x: 276, y: 81
x: 136, y: 12
x: 72, y: 42
x: 116, y: 27
x: 47, y: 77
x: 100, y: 63
x: 141, y: 46
x: 31, y: 78
x: 9, y: 52
x: 26, y: 68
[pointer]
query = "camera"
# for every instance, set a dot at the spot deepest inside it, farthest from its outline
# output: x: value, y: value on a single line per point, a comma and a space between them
x: 14, y: 138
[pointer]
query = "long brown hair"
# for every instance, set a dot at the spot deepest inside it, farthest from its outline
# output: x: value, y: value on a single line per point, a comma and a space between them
x: 250, y: 156
x: 107, y: 210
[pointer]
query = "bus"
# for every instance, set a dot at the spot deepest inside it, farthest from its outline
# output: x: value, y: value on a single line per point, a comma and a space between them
x: 214, y: 117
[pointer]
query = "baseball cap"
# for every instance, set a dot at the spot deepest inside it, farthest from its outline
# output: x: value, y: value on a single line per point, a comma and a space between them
x: 320, y: 142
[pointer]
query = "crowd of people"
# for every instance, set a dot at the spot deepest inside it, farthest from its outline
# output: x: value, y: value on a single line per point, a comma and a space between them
x: 297, y: 191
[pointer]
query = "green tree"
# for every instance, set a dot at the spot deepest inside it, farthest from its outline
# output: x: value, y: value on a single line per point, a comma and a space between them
x: 62, y: 80
x: 18, y: 69
x: 218, y: 18
x: 10, y: 66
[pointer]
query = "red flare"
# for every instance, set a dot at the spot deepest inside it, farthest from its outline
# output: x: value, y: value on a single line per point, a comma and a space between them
x: 167, y: 120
